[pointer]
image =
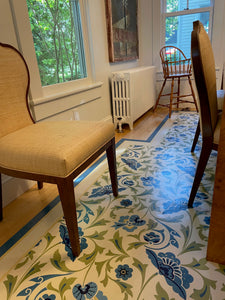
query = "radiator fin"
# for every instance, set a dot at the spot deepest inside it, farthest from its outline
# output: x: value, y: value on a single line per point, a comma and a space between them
x: 133, y: 93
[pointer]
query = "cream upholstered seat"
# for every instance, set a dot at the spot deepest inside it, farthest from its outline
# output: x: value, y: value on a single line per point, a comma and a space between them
x: 53, y: 151
x: 210, y: 119
x: 53, y: 148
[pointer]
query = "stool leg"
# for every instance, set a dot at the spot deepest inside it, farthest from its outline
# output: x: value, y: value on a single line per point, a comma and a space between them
x: 160, y: 93
x: 171, y: 97
x: 178, y: 92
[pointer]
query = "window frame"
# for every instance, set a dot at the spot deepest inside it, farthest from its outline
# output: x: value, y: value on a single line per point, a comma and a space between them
x: 188, y: 11
x: 26, y: 46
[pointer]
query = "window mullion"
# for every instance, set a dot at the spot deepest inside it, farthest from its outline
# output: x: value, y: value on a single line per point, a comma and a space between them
x: 79, y: 36
x: 188, y: 12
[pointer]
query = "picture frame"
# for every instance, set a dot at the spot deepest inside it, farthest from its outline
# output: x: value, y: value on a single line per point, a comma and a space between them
x: 122, y: 30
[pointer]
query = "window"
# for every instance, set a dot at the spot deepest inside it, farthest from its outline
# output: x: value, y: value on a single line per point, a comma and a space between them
x: 177, y: 21
x: 54, y: 39
x: 58, y: 40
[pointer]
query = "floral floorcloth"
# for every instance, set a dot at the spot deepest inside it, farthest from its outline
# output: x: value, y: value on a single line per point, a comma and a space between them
x: 144, y: 244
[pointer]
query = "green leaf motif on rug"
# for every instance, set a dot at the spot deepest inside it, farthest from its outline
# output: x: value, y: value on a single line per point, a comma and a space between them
x: 35, y: 269
x: 141, y: 267
x: 117, y: 241
x: 58, y: 263
x: 125, y: 288
x: 29, y: 256
x: 96, y: 235
x: 199, y: 265
x: 49, y: 238
x: 161, y: 293
x: 204, y: 292
x: 100, y: 222
x: 90, y: 257
x: 99, y: 266
x: 202, y: 229
x: 193, y: 246
x: 136, y: 245
x: 10, y: 284
x: 64, y: 285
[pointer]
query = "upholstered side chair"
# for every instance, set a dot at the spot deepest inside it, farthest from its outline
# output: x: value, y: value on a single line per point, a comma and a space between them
x: 175, y: 67
x: 52, y: 151
x: 205, y: 78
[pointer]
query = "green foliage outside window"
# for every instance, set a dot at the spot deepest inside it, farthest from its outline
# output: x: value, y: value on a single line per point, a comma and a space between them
x: 171, y: 23
x: 57, y: 46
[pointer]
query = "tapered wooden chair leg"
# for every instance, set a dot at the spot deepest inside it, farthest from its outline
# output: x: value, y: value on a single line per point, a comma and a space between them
x: 40, y: 185
x: 1, y: 202
x: 203, y: 159
x: 197, y: 133
x: 111, y: 157
x: 160, y: 93
x: 171, y: 97
x: 178, y: 93
x: 67, y: 197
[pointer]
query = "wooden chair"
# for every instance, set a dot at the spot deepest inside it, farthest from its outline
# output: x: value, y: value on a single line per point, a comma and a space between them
x: 210, y: 119
x: 175, y: 66
x: 220, y: 101
x: 55, y: 151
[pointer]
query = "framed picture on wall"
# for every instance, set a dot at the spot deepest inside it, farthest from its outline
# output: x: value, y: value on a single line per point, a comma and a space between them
x: 122, y: 29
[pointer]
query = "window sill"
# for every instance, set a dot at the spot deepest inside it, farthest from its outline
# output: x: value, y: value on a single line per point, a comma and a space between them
x: 59, y: 96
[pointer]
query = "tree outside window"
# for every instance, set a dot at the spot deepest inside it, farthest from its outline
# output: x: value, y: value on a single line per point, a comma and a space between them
x: 58, y: 41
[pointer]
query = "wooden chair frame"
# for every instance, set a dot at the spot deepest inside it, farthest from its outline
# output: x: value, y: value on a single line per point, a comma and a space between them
x: 207, y: 130
x: 65, y: 185
x: 175, y: 66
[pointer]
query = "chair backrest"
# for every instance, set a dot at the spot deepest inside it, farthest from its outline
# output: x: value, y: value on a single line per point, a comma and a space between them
x: 14, y: 85
x: 205, y: 78
x: 174, y: 61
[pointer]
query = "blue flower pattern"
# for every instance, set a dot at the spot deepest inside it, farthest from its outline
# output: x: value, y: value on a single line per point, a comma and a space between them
x: 124, y: 272
x: 169, y: 267
x: 66, y: 241
x: 47, y: 297
x: 129, y: 223
x: 149, y: 221
x: 86, y: 292
x: 126, y: 202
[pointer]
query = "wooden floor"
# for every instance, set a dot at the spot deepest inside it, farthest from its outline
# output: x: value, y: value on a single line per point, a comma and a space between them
x: 25, y: 207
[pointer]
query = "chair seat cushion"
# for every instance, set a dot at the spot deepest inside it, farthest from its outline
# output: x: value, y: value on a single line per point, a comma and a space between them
x: 53, y: 148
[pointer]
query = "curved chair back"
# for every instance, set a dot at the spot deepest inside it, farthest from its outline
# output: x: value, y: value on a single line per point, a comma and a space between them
x: 210, y: 120
x: 174, y: 61
x: 14, y: 83
x: 205, y: 78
